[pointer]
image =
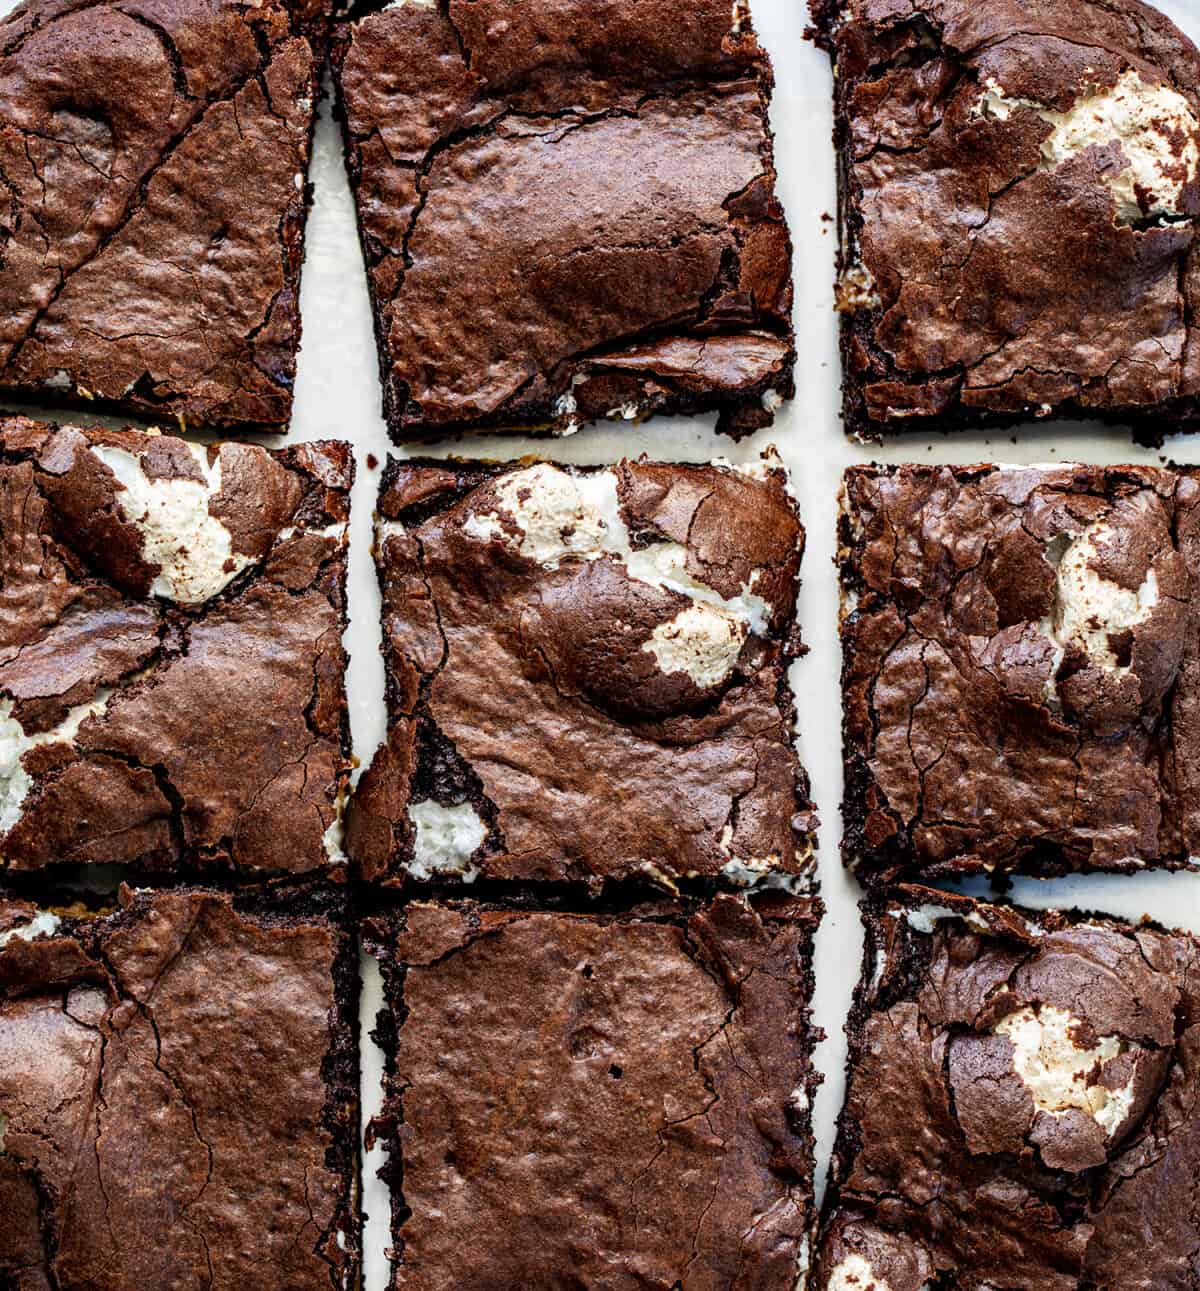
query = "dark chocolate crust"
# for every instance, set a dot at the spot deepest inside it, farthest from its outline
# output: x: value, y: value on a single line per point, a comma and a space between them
x: 948, y: 1172
x: 1021, y: 669
x: 991, y: 272
x: 153, y: 156
x: 602, y: 1100
x: 522, y: 680
x: 217, y: 734
x: 179, y: 1095
x: 568, y: 212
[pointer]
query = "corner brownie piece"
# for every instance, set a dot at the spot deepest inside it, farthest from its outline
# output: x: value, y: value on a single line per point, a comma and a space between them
x: 1020, y: 1106
x: 153, y: 156
x: 598, y: 1099
x: 171, y: 667
x: 1019, y: 187
x: 1021, y: 669
x: 586, y: 676
x: 179, y: 1094
x: 568, y: 212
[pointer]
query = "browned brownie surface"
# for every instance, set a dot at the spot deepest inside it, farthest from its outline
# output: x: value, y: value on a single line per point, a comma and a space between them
x: 171, y: 667
x: 568, y: 212
x: 1019, y: 181
x: 586, y: 676
x: 153, y: 156
x: 1020, y: 668
x: 1020, y: 1107
x: 178, y: 1095
x: 600, y: 1100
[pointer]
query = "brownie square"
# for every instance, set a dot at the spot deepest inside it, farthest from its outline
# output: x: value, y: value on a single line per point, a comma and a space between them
x: 1019, y: 185
x: 598, y: 1099
x: 1020, y: 1104
x: 171, y: 670
x: 154, y: 157
x: 568, y: 212
x: 1020, y: 669
x: 586, y: 676
x: 179, y: 1094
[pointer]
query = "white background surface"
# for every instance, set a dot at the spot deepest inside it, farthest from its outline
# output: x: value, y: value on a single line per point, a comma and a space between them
x: 338, y: 396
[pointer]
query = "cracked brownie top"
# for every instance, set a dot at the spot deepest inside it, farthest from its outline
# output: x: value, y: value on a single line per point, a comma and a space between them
x: 153, y: 156
x: 178, y: 1095
x: 171, y: 667
x: 568, y: 212
x: 1021, y: 668
x: 587, y: 676
x: 1020, y: 1104
x: 1020, y: 182
x: 654, y: 1133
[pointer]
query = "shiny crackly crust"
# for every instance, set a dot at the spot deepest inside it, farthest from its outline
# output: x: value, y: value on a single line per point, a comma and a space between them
x: 179, y: 1074
x: 1051, y: 310
x: 607, y: 769
x: 154, y: 157
x: 672, y: 1066
x: 956, y: 760
x: 939, y: 1175
x: 222, y: 740
x: 528, y: 265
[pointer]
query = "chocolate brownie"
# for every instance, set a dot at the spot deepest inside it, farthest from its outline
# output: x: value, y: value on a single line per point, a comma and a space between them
x: 171, y: 667
x: 1020, y: 1105
x: 153, y: 156
x: 609, y: 1100
x: 586, y: 676
x: 568, y: 212
x: 1019, y: 187
x: 1021, y: 669
x: 179, y: 1095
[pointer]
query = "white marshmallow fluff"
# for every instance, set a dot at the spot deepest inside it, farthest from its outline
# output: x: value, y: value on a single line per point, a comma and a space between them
x: 559, y: 515
x: 446, y: 839
x: 194, y: 550
x: 1143, y: 118
x: 700, y: 641
x: 14, y: 744
x: 1087, y: 607
x: 43, y: 924
x: 1056, y: 1070
x: 855, y: 1274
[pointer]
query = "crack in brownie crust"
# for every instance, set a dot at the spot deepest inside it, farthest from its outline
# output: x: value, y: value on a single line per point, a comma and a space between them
x: 153, y: 156
x: 1019, y: 184
x: 179, y: 1094
x: 586, y: 676
x: 1021, y: 669
x: 171, y: 669
x: 568, y: 212
x: 628, y: 1106
x: 1020, y: 1107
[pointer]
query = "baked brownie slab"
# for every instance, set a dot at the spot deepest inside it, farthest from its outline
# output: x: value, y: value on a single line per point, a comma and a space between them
x: 1020, y: 1107
x: 178, y: 1094
x: 153, y: 156
x: 171, y: 667
x: 1020, y: 182
x: 1020, y: 669
x: 568, y: 212
x: 586, y: 676
x: 599, y: 1100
